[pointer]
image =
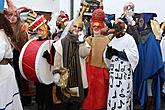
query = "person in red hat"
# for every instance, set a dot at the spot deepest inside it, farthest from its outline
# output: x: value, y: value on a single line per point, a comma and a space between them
x: 44, y: 102
x: 97, y: 73
x: 61, y: 23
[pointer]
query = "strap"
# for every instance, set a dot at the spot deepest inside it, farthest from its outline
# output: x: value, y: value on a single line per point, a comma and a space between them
x: 5, y: 61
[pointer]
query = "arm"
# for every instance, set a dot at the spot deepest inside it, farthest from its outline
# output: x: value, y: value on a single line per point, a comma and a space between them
x: 3, y: 47
x: 89, y: 40
x: 49, y: 57
x: 84, y: 50
x: 111, y: 51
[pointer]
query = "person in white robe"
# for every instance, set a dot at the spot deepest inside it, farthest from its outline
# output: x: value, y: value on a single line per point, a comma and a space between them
x: 9, y: 98
x: 121, y: 57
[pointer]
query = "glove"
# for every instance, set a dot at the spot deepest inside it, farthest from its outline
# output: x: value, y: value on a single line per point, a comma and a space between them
x: 104, y: 31
x: 114, y: 52
x: 81, y: 36
x: 56, y: 78
x: 46, y: 55
x: 110, y: 52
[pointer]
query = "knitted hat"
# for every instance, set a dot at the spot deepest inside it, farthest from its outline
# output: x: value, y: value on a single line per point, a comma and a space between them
x: 98, y: 17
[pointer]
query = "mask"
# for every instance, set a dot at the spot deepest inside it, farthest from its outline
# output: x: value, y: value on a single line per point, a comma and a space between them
x: 141, y: 24
x: 96, y: 28
x: 117, y: 27
x: 42, y: 30
x: 130, y: 12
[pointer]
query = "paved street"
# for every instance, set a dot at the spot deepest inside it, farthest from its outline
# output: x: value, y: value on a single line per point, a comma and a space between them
x: 33, y: 106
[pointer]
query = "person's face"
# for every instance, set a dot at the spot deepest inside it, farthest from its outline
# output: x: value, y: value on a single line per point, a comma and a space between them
x: 42, y: 31
x: 12, y: 17
x: 129, y: 11
x: 76, y: 29
x: 62, y: 13
x: 96, y: 28
x: 119, y: 28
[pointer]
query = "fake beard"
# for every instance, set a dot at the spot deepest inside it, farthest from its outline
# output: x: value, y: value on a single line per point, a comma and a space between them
x: 129, y: 15
x: 97, y: 32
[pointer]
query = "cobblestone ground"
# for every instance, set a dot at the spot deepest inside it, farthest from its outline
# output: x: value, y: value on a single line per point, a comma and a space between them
x: 33, y: 106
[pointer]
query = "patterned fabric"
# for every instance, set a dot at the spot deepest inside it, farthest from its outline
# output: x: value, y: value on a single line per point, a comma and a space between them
x: 120, y: 85
x: 120, y: 70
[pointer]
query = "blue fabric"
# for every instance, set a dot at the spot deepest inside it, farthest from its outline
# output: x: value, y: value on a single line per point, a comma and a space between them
x: 2, y: 4
x: 150, y: 66
x: 146, y: 17
x: 108, y: 18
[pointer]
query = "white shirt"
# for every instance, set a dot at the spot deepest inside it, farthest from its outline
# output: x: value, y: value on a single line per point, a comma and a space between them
x: 5, y: 47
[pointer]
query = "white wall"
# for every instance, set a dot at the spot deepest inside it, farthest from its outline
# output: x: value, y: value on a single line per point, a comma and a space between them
x: 155, y: 6
x: 116, y: 7
x: 110, y: 6
x: 37, y: 5
x: 76, y: 7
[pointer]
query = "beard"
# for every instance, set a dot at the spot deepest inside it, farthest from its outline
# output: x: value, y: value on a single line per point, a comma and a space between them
x: 97, y: 32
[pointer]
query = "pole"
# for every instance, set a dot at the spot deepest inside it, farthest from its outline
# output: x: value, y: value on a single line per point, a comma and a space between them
x: 71, y: 9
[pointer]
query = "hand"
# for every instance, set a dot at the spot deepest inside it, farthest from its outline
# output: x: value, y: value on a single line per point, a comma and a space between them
x: 112, y: 50
x: 56, y: 78
x: 81, y: 36
x: 46, y: 55
x: 108, y: 53
x: 109, y: 48
x: 104, y: 31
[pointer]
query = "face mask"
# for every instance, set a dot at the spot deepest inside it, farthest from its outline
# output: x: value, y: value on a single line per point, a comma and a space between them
x: 117, y: 27
x: 42, y: 30
x: 76, y: 29
x: 141, y: 25
x: 96, y: 29
x: 130, y: 12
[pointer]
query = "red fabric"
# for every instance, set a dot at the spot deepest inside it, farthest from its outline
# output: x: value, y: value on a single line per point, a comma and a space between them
x: 98, y: 80
x: 64, y: 18
x: 98, y: 16
x: 29, y: 58
x: 38, y: 22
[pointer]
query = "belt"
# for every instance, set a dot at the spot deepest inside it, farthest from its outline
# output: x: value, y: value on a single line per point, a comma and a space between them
x: 5, y: 61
